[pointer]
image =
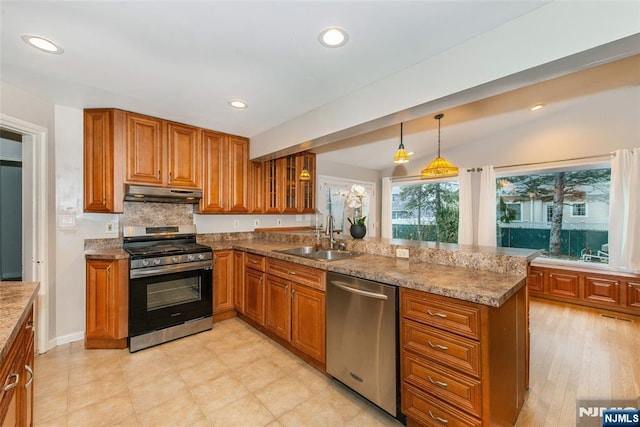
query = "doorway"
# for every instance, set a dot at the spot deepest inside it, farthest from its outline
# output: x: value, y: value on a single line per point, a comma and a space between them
x: 11, y: 265
x: 34, y: 231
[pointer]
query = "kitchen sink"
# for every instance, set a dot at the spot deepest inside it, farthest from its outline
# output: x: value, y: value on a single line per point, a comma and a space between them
x: 320, y: 254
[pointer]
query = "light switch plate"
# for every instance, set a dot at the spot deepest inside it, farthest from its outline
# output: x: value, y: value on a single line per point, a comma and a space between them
x: 236, y: 223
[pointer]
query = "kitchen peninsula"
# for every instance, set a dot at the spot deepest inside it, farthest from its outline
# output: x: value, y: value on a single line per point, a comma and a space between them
x: 462, y: 314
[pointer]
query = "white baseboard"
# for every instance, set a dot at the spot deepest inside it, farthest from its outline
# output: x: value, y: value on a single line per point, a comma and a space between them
x: 65, y: 339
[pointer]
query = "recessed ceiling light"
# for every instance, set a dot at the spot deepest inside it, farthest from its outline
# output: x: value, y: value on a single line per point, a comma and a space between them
x: 536, y: 107
x: 238, y: 104
x: 42, y: 44
x: 333, y: 37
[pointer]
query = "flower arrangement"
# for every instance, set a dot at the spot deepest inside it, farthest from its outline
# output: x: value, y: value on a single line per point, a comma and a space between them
x: 355, y: 199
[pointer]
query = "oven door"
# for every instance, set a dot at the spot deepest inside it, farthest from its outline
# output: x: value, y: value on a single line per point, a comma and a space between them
x: 160, y: 301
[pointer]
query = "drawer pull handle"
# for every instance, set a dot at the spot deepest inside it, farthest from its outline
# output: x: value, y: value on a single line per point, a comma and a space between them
x: 442, y: 420
x: 293, y: 273
x: 438, y: 346
x: 440, y: 383
x: 8, y: 387
x: 30, y: 371
x: 436, y: 314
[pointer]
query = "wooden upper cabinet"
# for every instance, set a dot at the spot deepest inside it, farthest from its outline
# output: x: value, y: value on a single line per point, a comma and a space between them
x: 145, y: 150
x: 226, y: 163
x: 104, y: 132
x: 162, y: 153
x: 307, y: 189
x: 256, y: 187
x: 238, y: 162
x: 183, y: 156
x: 290, y: 184
x: 273, y: 188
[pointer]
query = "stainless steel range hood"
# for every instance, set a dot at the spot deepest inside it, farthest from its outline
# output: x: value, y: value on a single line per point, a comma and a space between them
x: 142, y: 193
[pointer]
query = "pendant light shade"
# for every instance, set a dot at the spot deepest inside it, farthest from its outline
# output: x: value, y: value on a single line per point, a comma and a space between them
x: 304, y: 175
x: 401, y: 155
x: 439, y: 167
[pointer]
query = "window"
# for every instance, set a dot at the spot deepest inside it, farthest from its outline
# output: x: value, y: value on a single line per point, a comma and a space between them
x: 427, y: 212
x: 579, y: 209
x: 548, y: 211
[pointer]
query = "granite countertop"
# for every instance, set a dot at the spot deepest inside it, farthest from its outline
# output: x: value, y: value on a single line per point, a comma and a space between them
x: 469, y: 284
x: 15, y: 297
x: 479, y: 286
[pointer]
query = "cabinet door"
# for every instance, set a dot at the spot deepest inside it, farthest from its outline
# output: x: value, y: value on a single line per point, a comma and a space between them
x: 273, y: 187
x: 602, y: 291
x: 107, y: 304
x: 254, y: 295
x: 633, y: 295
x: 183, y: 156
x: 564, y: 285
x: 238, y: 281
x: 535, y: 281
x: 290, y: 184
x: 104, y: 133
x: 28, y: 374
x: 223, y: 281
x: 215, y: 184
x: 144, y: 150
x: 278, y: 307
x: 308, y: 321
x: 256, y: 187
x: 238, y: 174
x: 307, y: 189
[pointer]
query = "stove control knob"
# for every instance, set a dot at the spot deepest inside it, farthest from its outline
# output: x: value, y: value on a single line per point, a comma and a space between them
x: 175, y: 259
x: 156, y: 261
x: 200, y: 256
x: 189, y: 257
x: 145, y: 262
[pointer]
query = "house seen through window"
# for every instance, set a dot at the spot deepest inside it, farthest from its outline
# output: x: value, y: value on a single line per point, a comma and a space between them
x: 565, y: 214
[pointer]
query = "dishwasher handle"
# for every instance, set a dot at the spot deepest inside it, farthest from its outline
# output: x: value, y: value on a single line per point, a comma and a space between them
x: 346, y: 287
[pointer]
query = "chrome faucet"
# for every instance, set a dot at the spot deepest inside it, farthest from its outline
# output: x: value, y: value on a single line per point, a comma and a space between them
x: 330, y: 231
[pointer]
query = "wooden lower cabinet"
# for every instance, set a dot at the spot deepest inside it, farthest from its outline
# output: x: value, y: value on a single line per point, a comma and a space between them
x: 451, y: 372
x: 308, y: 321
x: 599, y: 289
x: 16, y: 378
x: 107, y: 303
x: 223, y: 278
x: 278, y: 307
x: 238, y: 281
x: 254, y: 294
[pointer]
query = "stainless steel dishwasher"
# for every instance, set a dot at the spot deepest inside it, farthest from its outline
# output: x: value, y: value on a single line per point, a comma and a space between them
x: 362, y: 345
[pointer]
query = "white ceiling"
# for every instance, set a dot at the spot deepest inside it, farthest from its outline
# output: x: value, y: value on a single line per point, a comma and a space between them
x: 185, y: 60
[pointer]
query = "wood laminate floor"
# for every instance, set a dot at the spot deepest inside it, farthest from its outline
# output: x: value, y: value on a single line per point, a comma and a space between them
x: 235, y: 376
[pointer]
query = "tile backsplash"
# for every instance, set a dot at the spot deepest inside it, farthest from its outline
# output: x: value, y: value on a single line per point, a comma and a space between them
x: 156, y: 214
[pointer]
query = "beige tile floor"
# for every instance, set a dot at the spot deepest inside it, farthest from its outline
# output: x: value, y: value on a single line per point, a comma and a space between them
x: 229, y: 376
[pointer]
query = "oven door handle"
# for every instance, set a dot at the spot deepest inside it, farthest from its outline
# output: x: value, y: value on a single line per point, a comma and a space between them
x: 166, y: 269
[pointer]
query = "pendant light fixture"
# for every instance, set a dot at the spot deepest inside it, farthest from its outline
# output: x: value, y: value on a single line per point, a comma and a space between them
x: 439, y: 167
x: 304, y: 173
x: 401, y: 155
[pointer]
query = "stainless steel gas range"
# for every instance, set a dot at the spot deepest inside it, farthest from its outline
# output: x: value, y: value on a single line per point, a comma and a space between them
x: 170, y: 284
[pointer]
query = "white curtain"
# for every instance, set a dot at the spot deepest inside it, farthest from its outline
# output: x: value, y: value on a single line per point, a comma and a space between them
x: 624, y: 211
x: 465, y: 219
x: 487, y: 207
x: 385, y: 220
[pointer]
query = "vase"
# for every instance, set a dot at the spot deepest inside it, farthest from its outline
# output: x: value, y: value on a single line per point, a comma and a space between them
x: 358, y: 231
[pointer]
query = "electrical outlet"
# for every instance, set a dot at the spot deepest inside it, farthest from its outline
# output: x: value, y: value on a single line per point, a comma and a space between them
x: 256, y: 223
x: 110, y: 227
x: 402, y: 253
x: 236, y: 223
x: 279, y: 222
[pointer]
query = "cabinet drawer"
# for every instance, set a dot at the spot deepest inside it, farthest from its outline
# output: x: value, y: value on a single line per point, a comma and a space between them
x: 602, y: 291
x: 257, y: 262
x: 299, y: 273
x: 456, y: 316
x: 442, y: 347
x: 430, y: 411
x: 459, y: 390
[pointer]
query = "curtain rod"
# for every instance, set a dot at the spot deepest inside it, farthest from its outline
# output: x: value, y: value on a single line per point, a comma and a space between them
x: 595, y: 156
